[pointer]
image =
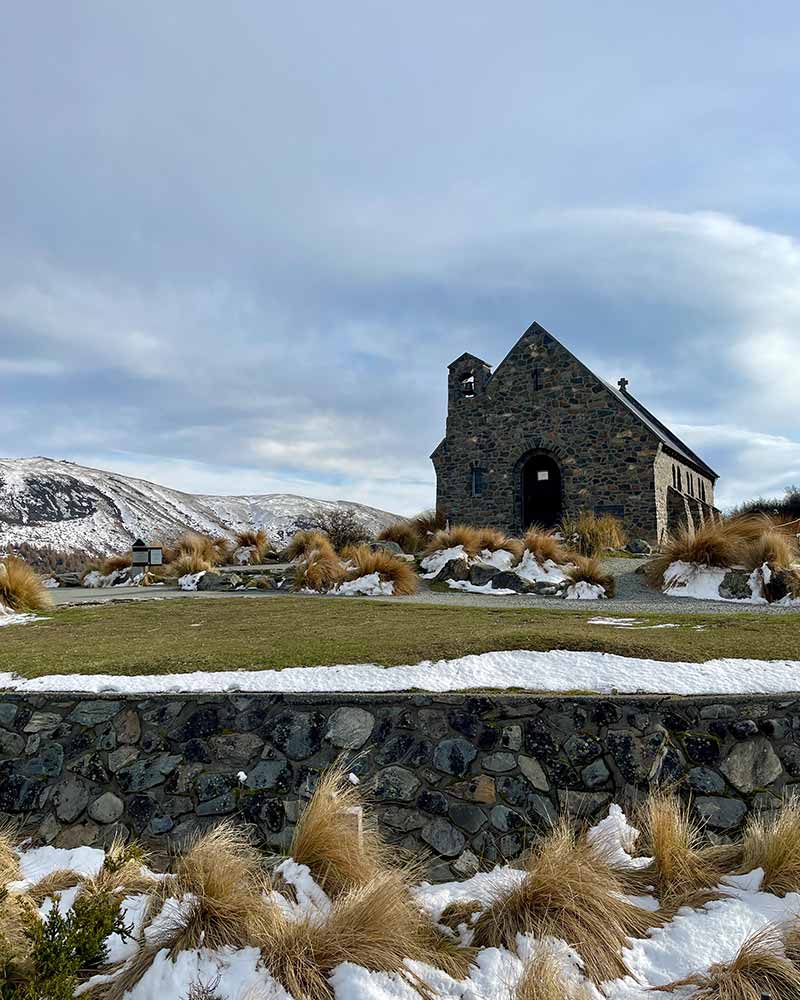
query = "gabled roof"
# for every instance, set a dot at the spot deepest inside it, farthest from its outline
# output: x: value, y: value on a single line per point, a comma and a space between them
x: 669, y: 440
x: 466, y: 356
x: 664, y: 434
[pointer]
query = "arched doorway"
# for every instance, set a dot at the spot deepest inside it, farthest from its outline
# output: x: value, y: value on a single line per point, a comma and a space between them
x: 541, y: 492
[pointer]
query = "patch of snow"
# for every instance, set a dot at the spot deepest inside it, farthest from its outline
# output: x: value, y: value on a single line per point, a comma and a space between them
x: 190, y: 580
x: 682, y: 579
x: 553, y: 670
x: 484, y: 588
x: 9, y: 617
x: 243, y: 555
x: 370, y: 585
x: 500, y: 559
x: 534, y: 572
x: 432, y: 564
x: 51, y: 583
x: 585, y: 591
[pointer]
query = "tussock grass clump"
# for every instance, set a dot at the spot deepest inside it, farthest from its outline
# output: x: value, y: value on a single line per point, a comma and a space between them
x: 256, y: 539
x: 319, y: 568
x: 569, y: 893
x: 402, y: 533
x: 474, y: 540
x: 543, y: 545
x: 589, y: 570
x: 773, y: 844
x: 427, y: 522
x: 685, y: 870
x: 188, y: 562
x: 9, y: 860
x: 543, y: 979
x: 495, y: 541
x: 304, y: 541
x: 341, y: 853
x: 590, y: 535
x: 714, y: 543
x: 195, y: 553
x: 115, y: 562
x: 402, y: 575
x: 21, y: 587
x: 759, y: 970
x: 773, y: 547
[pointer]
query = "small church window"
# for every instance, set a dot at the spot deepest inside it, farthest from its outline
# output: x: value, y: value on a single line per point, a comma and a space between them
x: 674, y: 477
x: 477, y: 481
x: 680, y: 481
x: 537, y: 380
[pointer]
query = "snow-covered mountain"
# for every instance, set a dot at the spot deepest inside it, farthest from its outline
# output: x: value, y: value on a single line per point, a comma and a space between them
x: 73, y: 508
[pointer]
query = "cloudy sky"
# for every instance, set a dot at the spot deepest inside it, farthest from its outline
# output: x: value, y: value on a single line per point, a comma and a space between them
x: 240, y: 242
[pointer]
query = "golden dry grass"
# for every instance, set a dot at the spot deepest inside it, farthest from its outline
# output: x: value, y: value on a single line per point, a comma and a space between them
x: 21, y: 587
x: 305, y: 541
x: 404, y: 534
x: 567, y: 893
x: 255, y: 538
x: 319, y: 568
x: 389, y: 567
x: 542, y: 979
x: 759, y: 970
x: 474, y: 540
x: 590, y: 535
x: 18, y: 912
x: 427, y: 522
x: 495, y: 541
x: 589, y: 570
x: 193, y: 552
x: 9, y: 860
x: 773, y: 844
x: 543, y: 545
x: 116, y: 562
x: 685, y: 870
x: 342, y: 853
x: 190, y: 562
x: 773, y: 547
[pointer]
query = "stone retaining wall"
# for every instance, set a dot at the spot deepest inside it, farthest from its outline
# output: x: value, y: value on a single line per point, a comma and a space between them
x: 464, y: 777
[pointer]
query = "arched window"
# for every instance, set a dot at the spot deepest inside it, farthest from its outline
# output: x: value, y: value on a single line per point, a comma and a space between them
x: 476, y: 482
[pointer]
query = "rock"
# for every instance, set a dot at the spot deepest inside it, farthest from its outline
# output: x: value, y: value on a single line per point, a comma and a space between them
x: 468, y: 817
x: 404, y: 820
x: 581, y: 748
x: 121, y: 758
x: 505, y: 820
x: 582, y: 805
x: 350, y: 728
x: 159, y: 825
x: 743, y: 729
x: 498, y: 763
x: 736, y: 585
x: 506, y: 580
x: 128, y: 728
x: 211, y: 786
x: 145, y: 774
x: 513, y: 789
x: 511, y: 738
x: 69, y: 579
x: 297, y: 734
x: 395, y: 784
x: 720, y: 813
x: 532, y: 770
x: 217, y: 581
x: 543, y: 809
x: 752, y: 765
x: 480, y: 789
x: 432, y: 802
x: 42, y: 722
x: 11, y: 744
x: 639, y: 547
x: 595, y: 774
x: 219, y: 806
x: 106, y: 809
x: 90, y: 765
x: 386, y: 546
x: 81, y: 835
x: 481, y: 575
x: 8, y: 714
x: 706, y: 781
x: 270, y: 775
x: 782, y: 583
x: 454, y: 756
x: 236, y: 748
x: 466, y: 865
x: 49, y: 829
x: 93, y: 713
x: 633, y: 754
x: 456, y: 569
x: 443, y: 837
x: 70, y: 799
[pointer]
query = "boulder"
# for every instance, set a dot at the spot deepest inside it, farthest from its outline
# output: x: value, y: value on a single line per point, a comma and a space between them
x: 69, y: 579
x: 782, y: 583
x: 216, y: 581
x: 639, y: 547
x: 481, y: 575
x: 386, y: 546
x: 506, y: 580
x: 735, y: 585
x: 456, y: 569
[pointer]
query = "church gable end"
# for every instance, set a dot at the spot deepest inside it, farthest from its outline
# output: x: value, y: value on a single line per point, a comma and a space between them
x: 543, y: 438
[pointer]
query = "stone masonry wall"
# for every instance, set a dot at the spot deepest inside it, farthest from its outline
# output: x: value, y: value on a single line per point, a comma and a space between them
x: 605, y: 454
x: 465, y: 778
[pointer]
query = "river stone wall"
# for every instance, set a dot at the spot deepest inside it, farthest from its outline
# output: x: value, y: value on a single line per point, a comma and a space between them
x: 465, y: 778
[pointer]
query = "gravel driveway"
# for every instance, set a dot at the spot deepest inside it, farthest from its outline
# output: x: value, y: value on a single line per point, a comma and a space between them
x: 633, y: 597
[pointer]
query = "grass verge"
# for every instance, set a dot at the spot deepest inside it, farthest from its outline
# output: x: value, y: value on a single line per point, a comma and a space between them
x: 185, y: 634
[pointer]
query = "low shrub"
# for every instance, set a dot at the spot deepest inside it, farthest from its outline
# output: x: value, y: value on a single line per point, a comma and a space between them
x: 388, y: 566
x: 343, y: 527
x: 781, y: 509
x: 714, y: 543
x: 190, y: 562
x: 585, y: 569
x: 21, y: 587
x: 544, y: 545
x: 256, y: 539
x: 591, y: 535
x: 193, y: 552
x: 426, y: 523
x: 402, y: 533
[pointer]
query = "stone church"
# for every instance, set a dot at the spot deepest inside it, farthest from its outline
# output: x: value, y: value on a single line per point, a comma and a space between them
x: 542, y: 437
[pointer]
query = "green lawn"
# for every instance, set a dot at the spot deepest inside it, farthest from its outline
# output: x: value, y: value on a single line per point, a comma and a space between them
x: 179, y: 635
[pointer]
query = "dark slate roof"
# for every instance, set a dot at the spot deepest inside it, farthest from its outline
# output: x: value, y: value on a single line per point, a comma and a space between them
x: 662, y: 432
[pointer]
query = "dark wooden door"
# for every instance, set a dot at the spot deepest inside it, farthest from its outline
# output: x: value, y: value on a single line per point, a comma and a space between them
x: 541, y: 492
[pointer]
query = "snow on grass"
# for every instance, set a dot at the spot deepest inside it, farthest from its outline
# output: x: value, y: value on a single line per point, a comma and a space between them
x: 436, y: 561
x: 485, y: 588
x: 690, y: 942
x: 554, y: 670
x: 9, y: 617
x: 370, y: 585
x: 634, y: 623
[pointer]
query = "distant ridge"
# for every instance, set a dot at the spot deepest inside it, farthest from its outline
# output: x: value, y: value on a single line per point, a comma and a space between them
x: 44, y: 502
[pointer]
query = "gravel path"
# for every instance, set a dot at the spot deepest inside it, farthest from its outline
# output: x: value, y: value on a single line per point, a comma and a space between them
x: 633, y: 597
